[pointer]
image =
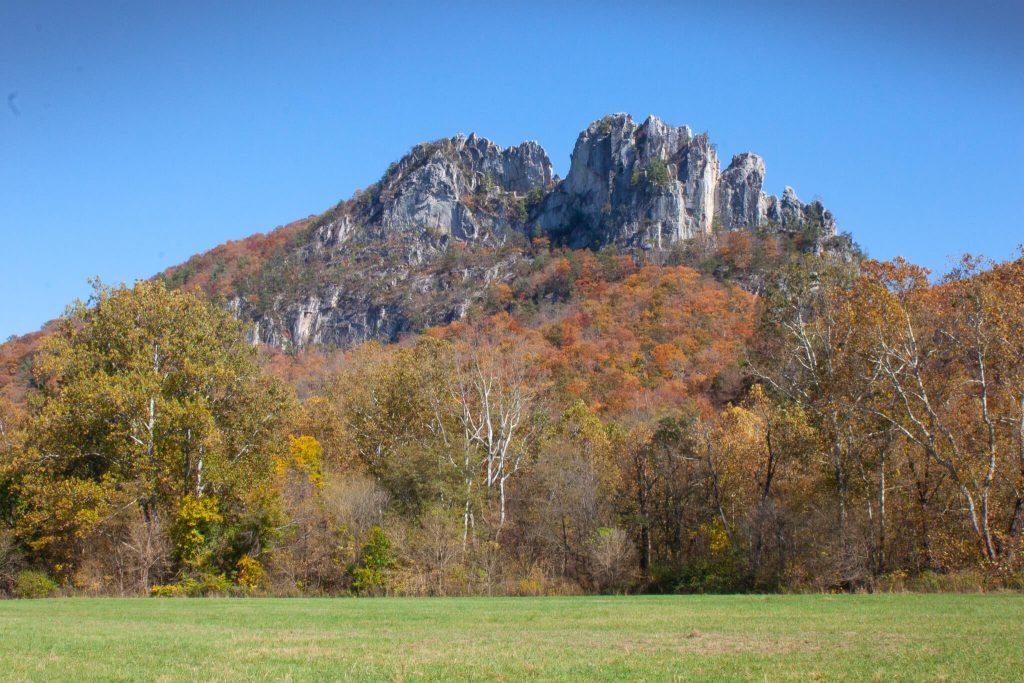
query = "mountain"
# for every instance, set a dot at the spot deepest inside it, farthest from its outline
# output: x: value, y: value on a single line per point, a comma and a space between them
x: 457, y: 216
x: 651, y: 185
x: 629, y: 185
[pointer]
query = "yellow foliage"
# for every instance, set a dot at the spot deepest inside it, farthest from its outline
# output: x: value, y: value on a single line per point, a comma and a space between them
x: 192, y: 522
x: 250, y: 573
x: 304, y: 455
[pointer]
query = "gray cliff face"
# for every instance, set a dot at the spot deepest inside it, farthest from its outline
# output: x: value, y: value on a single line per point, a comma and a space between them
x: 791, y: 215
x: 460, y: 187
x: 630, y: 185
x: 739, y: 200
x: 329, y: 320
x: 378, y: 289
x: 634, y: 186
x: 654, y: 184
x: 383, y: 258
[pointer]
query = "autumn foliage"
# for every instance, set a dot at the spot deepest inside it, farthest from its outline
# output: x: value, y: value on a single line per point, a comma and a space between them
x: 599, y: 423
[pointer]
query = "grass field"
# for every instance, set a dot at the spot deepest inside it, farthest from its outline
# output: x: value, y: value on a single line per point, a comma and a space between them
x: 854, y: 637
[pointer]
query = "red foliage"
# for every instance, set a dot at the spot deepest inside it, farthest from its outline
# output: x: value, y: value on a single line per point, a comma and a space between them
x: 15, y: 361
x: 215, y: 273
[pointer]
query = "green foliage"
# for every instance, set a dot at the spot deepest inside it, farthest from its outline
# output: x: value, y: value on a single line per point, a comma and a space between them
x: 34, y: 584
x: 149, y: 398
x: 181, y: 275
x: 388, y: 400
x: 520, y: 213
x: 534, y: 198
x: 371, y: 576
x: 658, y: 173
x: 214, y: 584
x: 655, y: 172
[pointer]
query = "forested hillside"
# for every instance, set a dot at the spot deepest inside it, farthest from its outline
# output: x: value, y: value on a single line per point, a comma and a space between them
x: 477, y: 378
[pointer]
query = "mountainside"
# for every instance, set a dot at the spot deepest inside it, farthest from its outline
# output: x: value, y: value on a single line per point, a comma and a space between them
x: 648, y: 376
x: 458, y: 223
x: 456, y: 216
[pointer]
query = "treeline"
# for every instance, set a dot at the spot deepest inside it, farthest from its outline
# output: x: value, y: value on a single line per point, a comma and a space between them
x: 856, y: 426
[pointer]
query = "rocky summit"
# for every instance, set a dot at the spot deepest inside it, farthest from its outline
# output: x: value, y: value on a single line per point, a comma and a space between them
x: 454, y: 217
x: 629, y: 185
x: 654, y: 184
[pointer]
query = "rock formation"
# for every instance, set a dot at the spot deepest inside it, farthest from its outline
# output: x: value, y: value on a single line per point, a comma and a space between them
x: 458, y: 187
x: 629, y: 185
x: 739, y: 200
x: 382, y: 261
x: 654, y: 184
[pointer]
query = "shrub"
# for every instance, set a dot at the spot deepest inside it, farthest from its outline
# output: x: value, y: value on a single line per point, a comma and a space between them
x: 658, y: 173
x: 1014, y: 580
x: 34, y: 584
x: 533, y: 584
x: 196, y: 521
x: 170, y: 590
x: 214, y: 584
x: 11, y: 561
x: 610, y: 559
x: 520, y: 213
x: 893, y: 582
x: 534, y: 198
x: 710, y: 576
x: 250, y: 573
x: 203, y: 585
x: 371, y: 577
x: 963, y: 581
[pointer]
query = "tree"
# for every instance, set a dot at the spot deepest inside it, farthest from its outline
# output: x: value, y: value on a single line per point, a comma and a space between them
x: 569, y: 493
x: 397, y: 415
x: 494, y: 396
x: 13, y: 421
x: 807, y: 355
x: 371, y: 576
x: 149, y: 398
x: 948, y: 367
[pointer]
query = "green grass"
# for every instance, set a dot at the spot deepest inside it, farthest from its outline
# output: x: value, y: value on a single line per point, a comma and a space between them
x: 848, y: 637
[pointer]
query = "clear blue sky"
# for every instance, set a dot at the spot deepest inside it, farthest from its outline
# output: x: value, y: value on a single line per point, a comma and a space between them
x: 133, y: 135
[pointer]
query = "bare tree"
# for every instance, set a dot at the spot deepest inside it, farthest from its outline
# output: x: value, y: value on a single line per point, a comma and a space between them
x: 494, y: 399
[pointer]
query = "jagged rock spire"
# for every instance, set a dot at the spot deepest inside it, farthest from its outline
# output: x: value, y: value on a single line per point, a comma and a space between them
x: 646, y: 185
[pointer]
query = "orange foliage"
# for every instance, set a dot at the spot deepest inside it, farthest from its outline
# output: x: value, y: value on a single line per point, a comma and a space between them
x: 653, y: 341
x: 215, y: 273
x: 15, y: 358
x: 659, y: 337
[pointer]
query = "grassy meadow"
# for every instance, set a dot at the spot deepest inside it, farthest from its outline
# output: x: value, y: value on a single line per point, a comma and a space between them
x: 653, y: 638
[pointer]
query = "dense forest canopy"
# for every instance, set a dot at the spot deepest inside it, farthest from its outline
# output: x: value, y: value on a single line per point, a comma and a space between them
x: 609, y: 422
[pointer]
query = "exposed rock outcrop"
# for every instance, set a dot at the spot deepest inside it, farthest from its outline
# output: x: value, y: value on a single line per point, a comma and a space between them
x: 740, y: 203
x: 380, y: 265
x: 791, y: 215
x: 643, y: 186
x: 654, y: 184
x: 461, y: 187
